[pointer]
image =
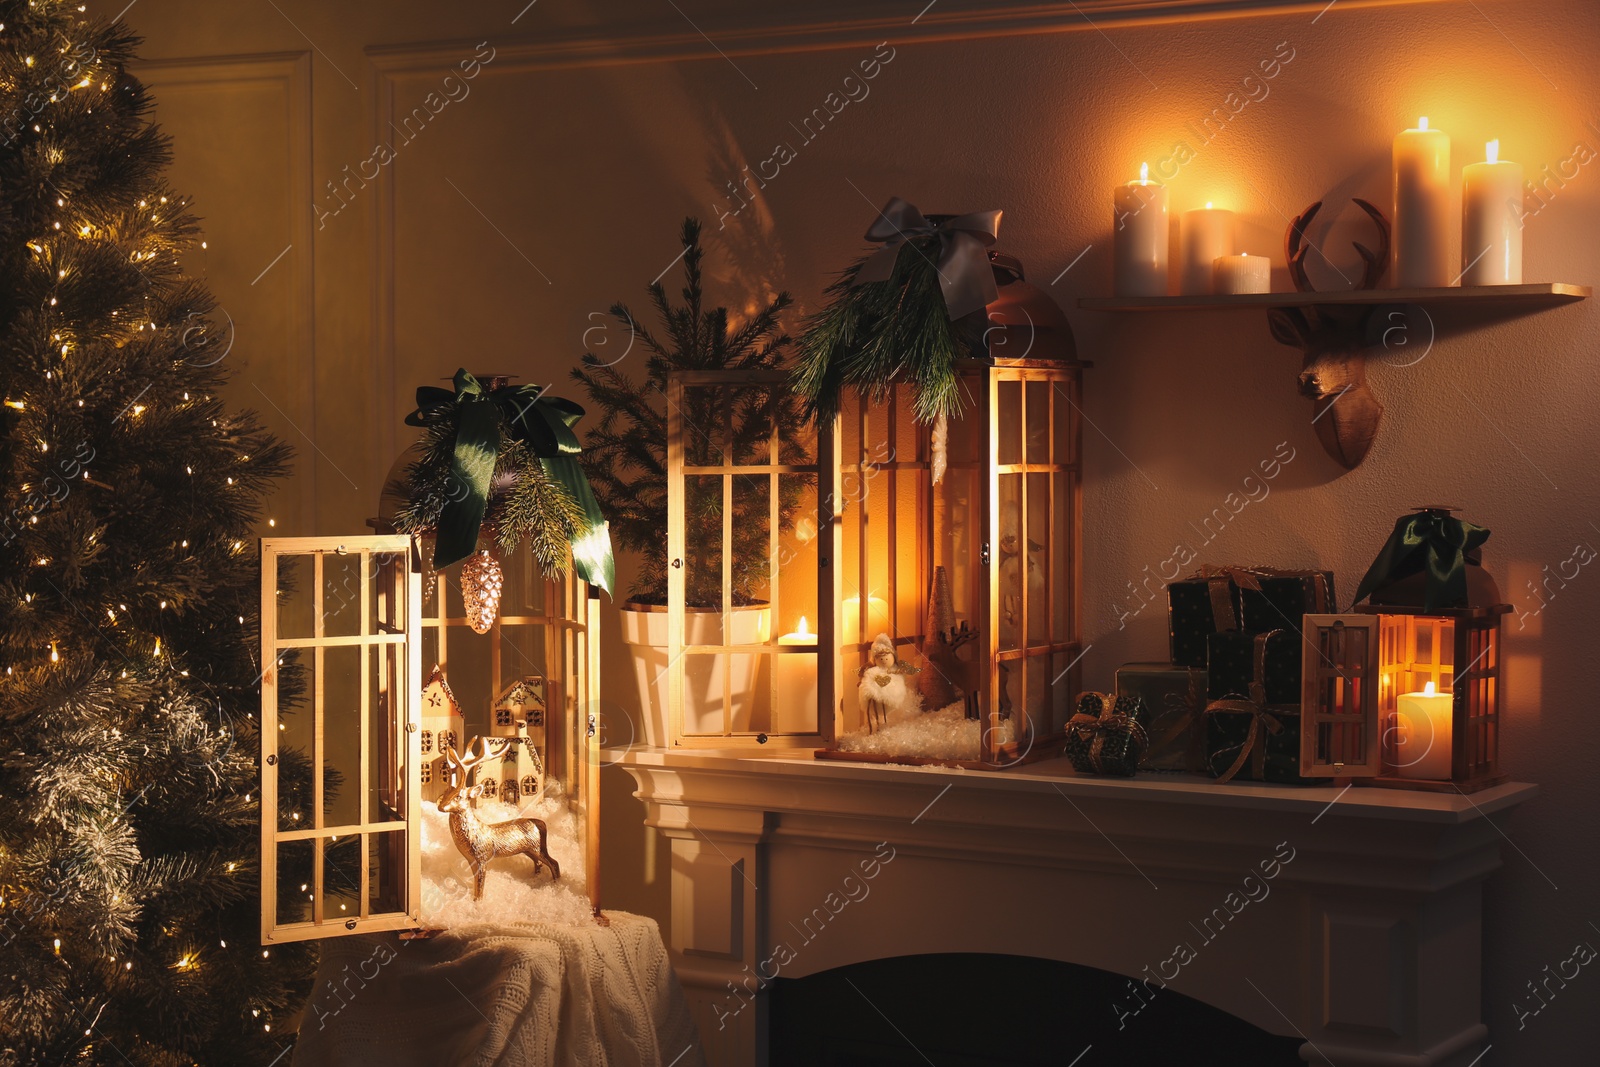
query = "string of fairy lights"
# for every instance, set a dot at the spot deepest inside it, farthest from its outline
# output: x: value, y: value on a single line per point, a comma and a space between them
x: 155, y: 212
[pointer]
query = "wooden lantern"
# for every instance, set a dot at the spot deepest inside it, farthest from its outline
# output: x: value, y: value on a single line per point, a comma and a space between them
x: 976, y: 578
x: 1403, y: 697
x: 342, y: 731
x: 742, y: 513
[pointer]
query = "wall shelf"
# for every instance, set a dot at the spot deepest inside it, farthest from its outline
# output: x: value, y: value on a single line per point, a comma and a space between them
x: 1530, y: 297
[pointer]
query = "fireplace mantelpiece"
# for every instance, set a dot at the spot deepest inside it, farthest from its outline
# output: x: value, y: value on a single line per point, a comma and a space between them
x: 1365, y: 942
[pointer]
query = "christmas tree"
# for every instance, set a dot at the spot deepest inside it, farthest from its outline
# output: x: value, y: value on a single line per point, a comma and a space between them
x: 128, y: 593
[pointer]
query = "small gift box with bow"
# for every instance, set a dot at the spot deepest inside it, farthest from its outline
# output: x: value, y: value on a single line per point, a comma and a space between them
x: 1108, y: 735
x: 1252, y: 725
x: 1176, y: 700
x: 1205, y: 603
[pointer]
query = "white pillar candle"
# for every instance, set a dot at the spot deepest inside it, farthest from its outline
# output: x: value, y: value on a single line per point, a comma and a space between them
x: 1204, y: 236
x: 1243, y: 273
x: 877, y: 619
x: 1139, y: 243
x: 1422, y: 216
x: 795, y: 707
x: 1424, y: 735
x: 1491, y: 221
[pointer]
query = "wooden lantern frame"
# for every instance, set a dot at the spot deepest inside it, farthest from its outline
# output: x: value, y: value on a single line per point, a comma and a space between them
x: 975, y: 543
x: 402, y: 608
x: 1472, y: 636
x: 1356, y: 666
x: 747, y: 726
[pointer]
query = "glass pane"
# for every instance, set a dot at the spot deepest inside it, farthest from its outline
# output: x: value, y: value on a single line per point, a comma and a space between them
x: 341, y: 878
x: 1010, y: 561
x: 796, y: 594
x: 703, y: 538
x: 753, y: 550
x: 385, y: 592
x: 296, y: 732
x: 1038, y: 422
x: 341, y: 594
x: 1038, y: 698
x: 524, y: 593
x: 795, y: 693
x: 1040, y: 590
x: 706, y: 685
x: 1009, y: 420
x: 1066, y: 421
x: 341, y: 735
x: 294, y: 597
x: 751, y: 409
x: 703, y: 421
x: 386, y: 864
x: 294, y: 882
x: 1060, y: 548
x: 386, y: 736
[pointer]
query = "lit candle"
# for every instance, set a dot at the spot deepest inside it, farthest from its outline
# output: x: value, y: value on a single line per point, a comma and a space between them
x: 1139, y: 244
x: 795, y: 709
x: 877, y: 619
x: 1242, y: 273
x: 1205, y: 235
x: 1422, y: 208
x: 1422, y: 741
x: 1491, y: 221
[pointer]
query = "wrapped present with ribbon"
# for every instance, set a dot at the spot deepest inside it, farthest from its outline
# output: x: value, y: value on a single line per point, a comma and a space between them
x: 1108, y: 735
x: 1431, y: 560
x: 1176, y: 700
x: 1252, y: 727
x: 1279, y: 598
x: 1205, y: 603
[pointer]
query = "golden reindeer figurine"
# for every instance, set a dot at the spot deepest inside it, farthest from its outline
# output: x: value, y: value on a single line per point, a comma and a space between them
x: 479, y: 841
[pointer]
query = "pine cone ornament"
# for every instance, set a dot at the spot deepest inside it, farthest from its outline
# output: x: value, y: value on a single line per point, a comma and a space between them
x: 481, y: 584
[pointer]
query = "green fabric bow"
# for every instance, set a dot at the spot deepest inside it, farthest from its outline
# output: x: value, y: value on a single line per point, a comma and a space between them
x: 1435, y: 541
x: 544, y: 425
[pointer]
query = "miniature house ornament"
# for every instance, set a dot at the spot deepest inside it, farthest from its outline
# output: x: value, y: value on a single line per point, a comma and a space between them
x: 1407, y: 691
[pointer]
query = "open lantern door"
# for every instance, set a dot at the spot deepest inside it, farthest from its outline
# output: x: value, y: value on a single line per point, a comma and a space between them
x: 340, y: 797
x: 350, y: 749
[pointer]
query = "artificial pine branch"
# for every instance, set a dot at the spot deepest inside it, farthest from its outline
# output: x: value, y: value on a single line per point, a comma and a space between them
x: 876, y: 334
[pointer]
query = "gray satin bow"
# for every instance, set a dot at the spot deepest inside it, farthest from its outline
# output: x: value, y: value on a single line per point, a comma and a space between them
x: 965, y: 276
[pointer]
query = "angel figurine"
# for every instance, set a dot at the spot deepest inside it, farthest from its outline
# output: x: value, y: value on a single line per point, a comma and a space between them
x: 883, y: 693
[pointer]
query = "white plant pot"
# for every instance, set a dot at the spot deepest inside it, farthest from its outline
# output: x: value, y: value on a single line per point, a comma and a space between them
x: 644, y: 629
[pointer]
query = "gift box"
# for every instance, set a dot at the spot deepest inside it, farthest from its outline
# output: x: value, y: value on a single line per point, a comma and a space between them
x: 1252, y: 721
x: 1279, y: 598
x: 1175, y: 698
x: 1198, y: 606
x: 1108, y: 735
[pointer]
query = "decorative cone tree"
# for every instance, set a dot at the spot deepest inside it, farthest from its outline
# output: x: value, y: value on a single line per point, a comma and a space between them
x: 128, y: 593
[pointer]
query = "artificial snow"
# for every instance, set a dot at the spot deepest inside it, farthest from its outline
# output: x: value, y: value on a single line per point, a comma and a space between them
x: 943, y: 734
x: 512, y: 894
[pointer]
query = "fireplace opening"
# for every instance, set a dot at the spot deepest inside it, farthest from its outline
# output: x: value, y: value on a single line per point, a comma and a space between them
x: 971, y: 1010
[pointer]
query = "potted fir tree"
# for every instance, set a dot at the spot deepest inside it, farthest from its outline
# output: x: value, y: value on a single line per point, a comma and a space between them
x: 626, y: 458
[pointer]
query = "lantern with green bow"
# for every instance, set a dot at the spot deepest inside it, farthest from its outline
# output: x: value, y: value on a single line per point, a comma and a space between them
x: 499, y: 462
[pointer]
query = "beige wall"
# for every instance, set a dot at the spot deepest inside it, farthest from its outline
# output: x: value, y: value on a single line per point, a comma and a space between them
x: 556, y: 183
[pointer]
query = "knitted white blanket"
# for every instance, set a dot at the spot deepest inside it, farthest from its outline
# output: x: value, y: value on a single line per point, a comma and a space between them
x: 539, y: 995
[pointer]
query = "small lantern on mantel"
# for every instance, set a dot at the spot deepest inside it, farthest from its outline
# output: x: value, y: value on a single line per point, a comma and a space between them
x: 1406, y: 692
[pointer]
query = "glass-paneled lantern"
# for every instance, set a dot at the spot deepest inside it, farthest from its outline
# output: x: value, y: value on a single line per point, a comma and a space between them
x: 1404, y: 697
x: 742, y: 564
x: 351, y: 749
x: 972, y: 580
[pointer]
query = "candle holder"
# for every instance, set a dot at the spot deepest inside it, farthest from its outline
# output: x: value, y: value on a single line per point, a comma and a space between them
x: 1404, y: 693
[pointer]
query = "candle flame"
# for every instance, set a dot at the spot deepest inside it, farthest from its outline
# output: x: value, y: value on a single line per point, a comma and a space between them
x: 1208, y: 205
x: 1427, y: 690
x: 1491, y: 151
x: 1144, y: 172
x: 1422, y: 123
x: 804, y: 627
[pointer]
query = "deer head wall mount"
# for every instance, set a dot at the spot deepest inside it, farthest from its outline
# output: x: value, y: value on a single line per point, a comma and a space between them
x: 1334, y: 338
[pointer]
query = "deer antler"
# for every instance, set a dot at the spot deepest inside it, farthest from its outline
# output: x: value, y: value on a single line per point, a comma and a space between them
x: 457, y: 763
x: 1374, y: 263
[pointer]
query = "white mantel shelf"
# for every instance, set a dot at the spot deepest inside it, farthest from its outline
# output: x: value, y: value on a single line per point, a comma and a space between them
x: 1367, y: 941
